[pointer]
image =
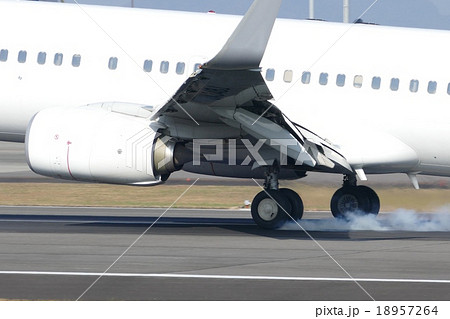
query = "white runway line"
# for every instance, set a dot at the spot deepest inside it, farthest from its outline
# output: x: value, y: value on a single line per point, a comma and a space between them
x: 194, y: 276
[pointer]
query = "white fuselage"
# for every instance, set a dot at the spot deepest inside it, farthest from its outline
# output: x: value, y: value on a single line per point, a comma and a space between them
x: 382, y: 129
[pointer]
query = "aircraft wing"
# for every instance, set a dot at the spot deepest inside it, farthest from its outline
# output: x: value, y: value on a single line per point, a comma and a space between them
x: 234, y: 71
x: 230, y: 89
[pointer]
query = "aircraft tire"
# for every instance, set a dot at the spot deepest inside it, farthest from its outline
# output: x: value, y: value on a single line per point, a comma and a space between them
x: 374, y: 206
x: 350, y: 200
x: 268, y: 212
x: 296, y: 202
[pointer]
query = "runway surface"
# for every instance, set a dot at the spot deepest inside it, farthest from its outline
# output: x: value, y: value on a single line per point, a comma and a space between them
x: 51, y: 253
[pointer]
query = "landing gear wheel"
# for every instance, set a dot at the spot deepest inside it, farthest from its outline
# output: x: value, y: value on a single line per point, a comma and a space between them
x: 266, y: 211
x: 349, y: 200
x: 296, y: 202
x: 374, y: 200
x: 357, y: 200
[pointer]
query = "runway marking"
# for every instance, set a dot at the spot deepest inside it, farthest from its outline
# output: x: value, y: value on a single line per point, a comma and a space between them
x: 130, y: 208
x: 196, y: 276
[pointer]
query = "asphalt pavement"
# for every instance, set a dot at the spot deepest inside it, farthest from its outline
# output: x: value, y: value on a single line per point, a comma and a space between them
x: 51, y: 253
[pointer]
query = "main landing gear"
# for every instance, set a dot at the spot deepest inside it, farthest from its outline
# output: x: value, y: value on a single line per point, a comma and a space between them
x: 273, y: 206
x: 354, y: 200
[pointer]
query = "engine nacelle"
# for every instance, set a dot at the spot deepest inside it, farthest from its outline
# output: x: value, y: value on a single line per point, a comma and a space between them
x: 109, y: 143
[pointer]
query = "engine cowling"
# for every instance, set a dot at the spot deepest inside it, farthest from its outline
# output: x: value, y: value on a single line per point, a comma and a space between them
x: 108, y: 143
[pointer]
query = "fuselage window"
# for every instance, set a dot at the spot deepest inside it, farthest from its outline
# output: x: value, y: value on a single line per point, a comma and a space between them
x: 22, y: 57
x: 376, y: 83
x: 42, y: 56
x: 448, y: 89
x: 306, y: 77
x: 323, y: 79
x: 414, y: 86
x: 197, y: 67
x: 164, y: 67
x: 180, y: 67
x: 288, y: 76
x: 58, y: 60
x: 340, y: 80
x: 432, y: 87
x: 395, y: 83
x: 358, y: 81
x: 3, y: 55
x: 148, y: 65
x: 270, y: 74
x: 112, y: 64
x: 76, y: 60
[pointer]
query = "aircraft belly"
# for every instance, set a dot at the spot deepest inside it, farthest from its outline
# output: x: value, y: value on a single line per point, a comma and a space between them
x: 13, y: 126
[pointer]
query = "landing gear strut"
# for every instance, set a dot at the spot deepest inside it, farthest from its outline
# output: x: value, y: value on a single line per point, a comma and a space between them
x: 272, y: 207
x: 354, y: 200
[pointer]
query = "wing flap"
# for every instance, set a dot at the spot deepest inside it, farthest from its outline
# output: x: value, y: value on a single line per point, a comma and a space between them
x: 323, y: 152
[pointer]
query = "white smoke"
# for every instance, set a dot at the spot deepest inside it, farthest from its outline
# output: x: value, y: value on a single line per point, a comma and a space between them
x: 398, y: 220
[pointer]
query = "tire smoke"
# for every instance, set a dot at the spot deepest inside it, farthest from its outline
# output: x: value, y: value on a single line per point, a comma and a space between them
x: 398, y: 220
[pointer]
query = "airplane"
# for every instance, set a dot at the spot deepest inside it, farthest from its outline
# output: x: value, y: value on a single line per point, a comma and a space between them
x: 128, y: 96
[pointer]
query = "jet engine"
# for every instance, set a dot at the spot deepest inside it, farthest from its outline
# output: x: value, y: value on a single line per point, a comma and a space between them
x: 108, y: 143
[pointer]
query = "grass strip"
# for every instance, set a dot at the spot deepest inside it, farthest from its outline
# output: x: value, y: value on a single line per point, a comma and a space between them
x: 199, y: 196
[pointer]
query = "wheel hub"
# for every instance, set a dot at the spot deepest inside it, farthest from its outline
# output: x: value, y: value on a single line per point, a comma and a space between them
x: 267, y: 209
x: 348, y: 203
